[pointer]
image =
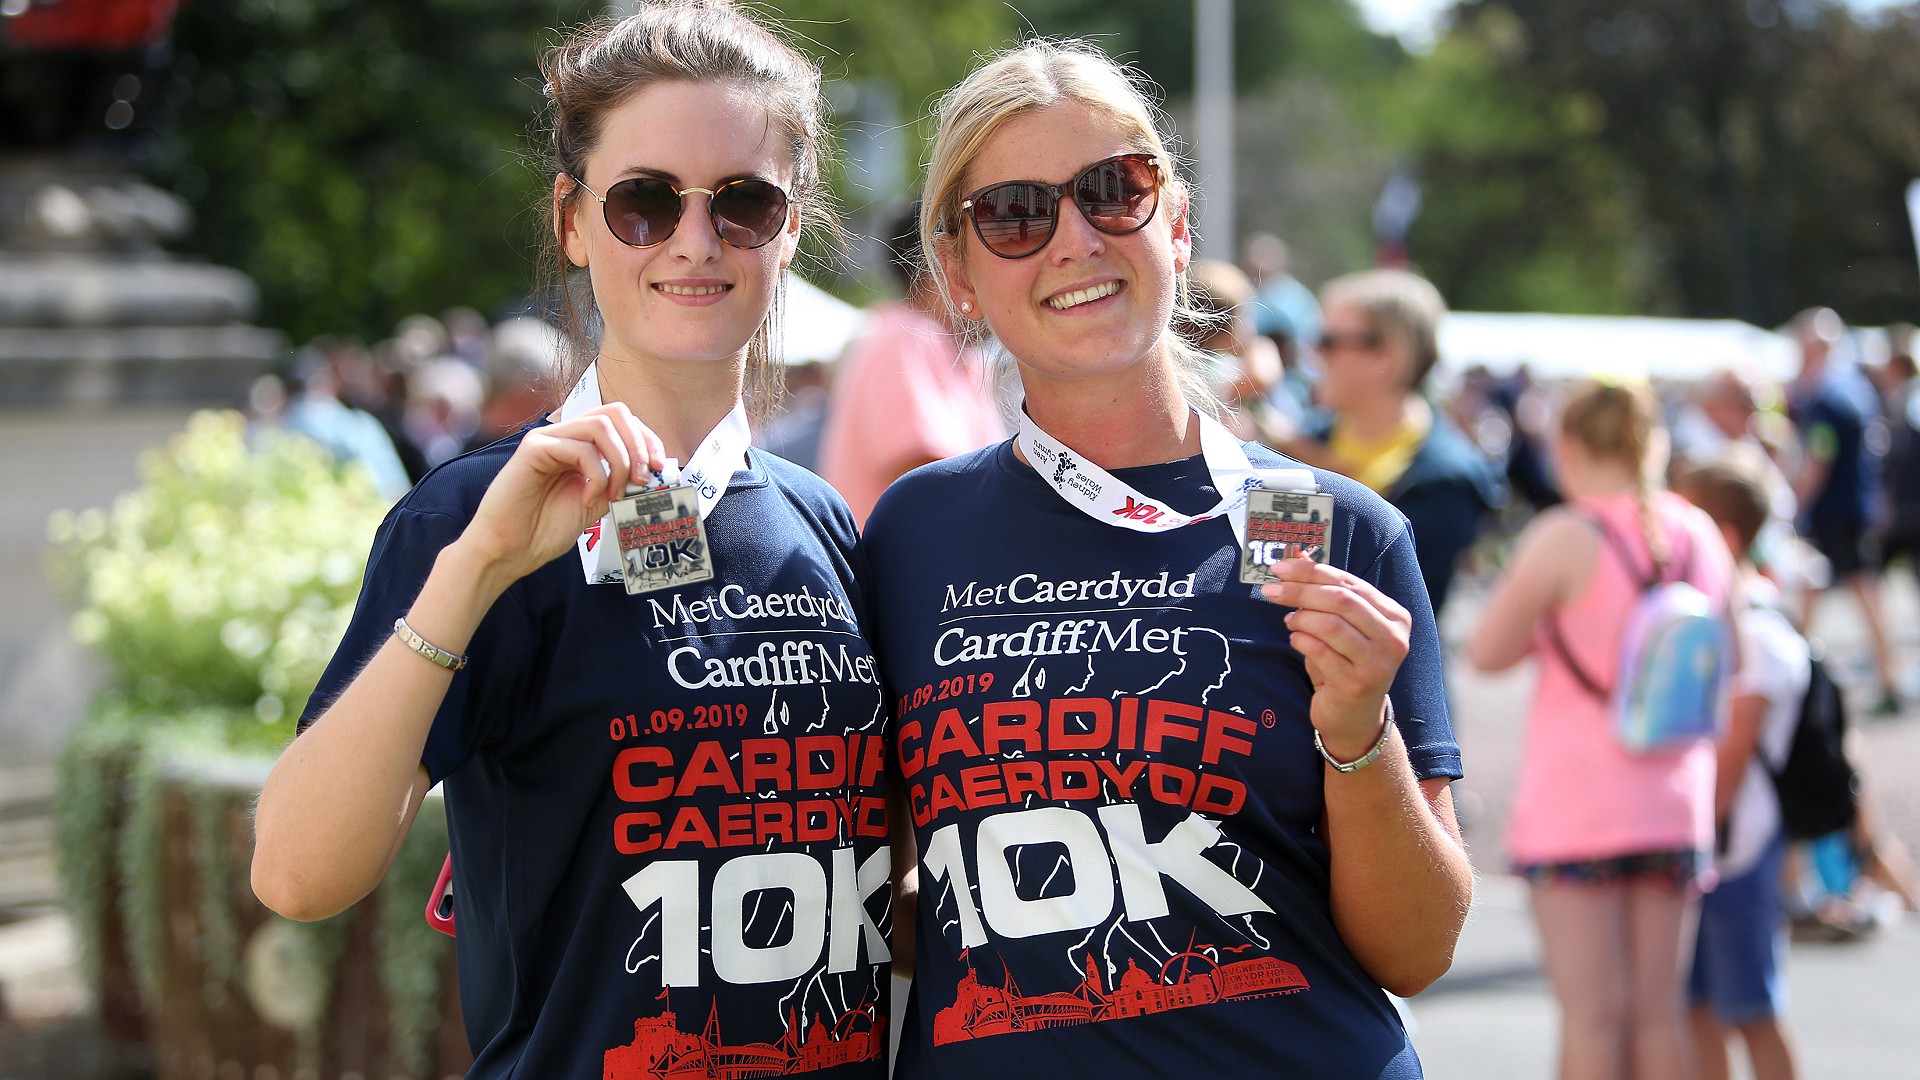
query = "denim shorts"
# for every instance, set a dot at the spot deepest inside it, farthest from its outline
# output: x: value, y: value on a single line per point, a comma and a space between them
x: 1743, y: 930
x: 1681, y: 869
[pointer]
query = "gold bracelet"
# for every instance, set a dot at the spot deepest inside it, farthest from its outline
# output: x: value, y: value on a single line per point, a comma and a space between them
x: 428, y: 649
x: 1386, y: 729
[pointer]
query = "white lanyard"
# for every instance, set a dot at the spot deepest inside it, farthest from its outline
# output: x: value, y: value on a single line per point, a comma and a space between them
x: 709, y: 471
x: 1102, y: 497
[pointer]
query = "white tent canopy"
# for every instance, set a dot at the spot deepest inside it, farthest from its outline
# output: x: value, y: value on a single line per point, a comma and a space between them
x: 1568, y: 346
x: 816, y: 325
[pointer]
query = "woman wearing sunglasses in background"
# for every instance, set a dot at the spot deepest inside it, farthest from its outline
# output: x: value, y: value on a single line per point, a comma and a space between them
x: 665, y: 806
x: 1168, y: 825
x: 1378, y: 344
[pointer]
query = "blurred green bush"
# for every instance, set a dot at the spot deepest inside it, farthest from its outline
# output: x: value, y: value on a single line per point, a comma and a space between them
x: 215, y: 593
x: 225, y: 580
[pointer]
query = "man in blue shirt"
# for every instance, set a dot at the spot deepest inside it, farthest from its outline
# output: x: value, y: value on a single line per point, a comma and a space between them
x: 1836, y: 413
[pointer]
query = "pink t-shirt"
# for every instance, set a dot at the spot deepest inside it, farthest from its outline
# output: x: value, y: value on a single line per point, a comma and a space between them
x: 906, y: 394
x: 1581, y: 796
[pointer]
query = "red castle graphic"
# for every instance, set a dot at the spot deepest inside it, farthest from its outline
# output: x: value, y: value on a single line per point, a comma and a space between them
x: 661, y: 1051
x: 979, y: 1011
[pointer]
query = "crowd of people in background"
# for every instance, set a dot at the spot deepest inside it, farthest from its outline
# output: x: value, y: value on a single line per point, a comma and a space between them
x: 1812, y: 484
x: 434, y: 390
x: 1344, y: 380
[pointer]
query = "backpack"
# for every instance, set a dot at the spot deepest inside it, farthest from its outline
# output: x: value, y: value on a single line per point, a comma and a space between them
x: 1817, y: 785
x: 1674, y: 656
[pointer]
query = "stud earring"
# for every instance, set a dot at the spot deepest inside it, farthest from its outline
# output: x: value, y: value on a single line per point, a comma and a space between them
x: 966, y: 307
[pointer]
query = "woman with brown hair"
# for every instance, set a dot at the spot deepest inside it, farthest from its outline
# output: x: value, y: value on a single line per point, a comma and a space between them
x: 664, y: 800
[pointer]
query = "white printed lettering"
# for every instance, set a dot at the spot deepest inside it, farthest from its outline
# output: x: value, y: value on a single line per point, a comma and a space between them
x: 1091, y: 900
x: 826, y: 917
x: 1093, y: 860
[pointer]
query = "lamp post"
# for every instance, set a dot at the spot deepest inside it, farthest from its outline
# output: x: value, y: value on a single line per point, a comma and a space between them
x: 1213, y: 123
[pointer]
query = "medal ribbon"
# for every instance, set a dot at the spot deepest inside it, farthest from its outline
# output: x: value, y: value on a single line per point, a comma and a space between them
x: 1102, y: 497
x: 709, y: 471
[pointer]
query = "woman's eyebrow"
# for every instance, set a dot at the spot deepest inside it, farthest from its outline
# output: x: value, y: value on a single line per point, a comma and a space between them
x: 662, y: 174
x: 643, y: 170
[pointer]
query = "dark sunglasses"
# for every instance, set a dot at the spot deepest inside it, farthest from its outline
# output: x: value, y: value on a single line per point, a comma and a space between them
x: 1336, y: 342
x: 643, y: 211
x: 1016, y: 219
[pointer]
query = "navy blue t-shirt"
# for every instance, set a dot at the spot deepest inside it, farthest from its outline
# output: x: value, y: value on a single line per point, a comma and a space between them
x: 1833, y: 424
x: 1103, y: 741
x: 666, y: 810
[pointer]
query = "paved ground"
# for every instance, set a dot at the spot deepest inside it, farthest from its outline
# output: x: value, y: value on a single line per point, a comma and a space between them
x: 1854, y: 1007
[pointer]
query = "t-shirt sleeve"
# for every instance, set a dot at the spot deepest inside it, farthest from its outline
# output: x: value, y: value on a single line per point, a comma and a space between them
x: 1419, y: 696
x: 403, y: 554
x: 1767, y: 666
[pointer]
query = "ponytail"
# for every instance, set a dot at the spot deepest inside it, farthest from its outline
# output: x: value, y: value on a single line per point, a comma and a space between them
x: 1620, y: 422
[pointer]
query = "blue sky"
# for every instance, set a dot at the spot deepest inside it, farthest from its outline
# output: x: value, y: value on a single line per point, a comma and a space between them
x: 1413, y: 19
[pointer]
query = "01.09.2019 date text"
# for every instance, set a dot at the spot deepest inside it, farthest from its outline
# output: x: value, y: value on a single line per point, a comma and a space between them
x: 944, y: 689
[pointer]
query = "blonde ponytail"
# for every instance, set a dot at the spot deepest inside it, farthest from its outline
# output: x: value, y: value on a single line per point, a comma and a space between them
x: 1620, y: 422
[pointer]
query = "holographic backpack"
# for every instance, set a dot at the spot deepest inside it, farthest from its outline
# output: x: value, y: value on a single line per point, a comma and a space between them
x: 1675, y: 654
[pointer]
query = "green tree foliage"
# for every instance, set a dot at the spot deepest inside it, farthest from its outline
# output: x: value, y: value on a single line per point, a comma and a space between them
x: 1720, y: 158
x: 1852, y: 132
x: 367, y: 159
x: 1271, y: 40
x: 1524, y: 209
x: 917, y: 47
x: 361, y: 161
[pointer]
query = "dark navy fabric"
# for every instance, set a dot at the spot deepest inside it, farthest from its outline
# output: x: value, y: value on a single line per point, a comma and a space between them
x: 1833, y: 423
x: 666, y: 810
x: 1902, y: 470
x: 1447, y: 492
x: 1104, y: 746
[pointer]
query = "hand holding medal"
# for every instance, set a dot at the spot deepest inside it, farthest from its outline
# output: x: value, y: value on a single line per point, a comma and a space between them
x: 1353, y: 638
x: 650, y: 544
x: 558, y: 483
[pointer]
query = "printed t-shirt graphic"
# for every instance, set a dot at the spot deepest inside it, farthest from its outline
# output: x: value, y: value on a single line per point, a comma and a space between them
x: 667, y: 813
x: 1103, y: 743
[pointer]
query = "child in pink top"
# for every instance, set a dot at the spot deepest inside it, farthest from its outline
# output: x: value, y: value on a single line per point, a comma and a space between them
x: 1583, y: 796
x: 1612, y: 843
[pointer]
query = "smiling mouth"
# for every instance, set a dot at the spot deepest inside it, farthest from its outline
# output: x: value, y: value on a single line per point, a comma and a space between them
x: 691, y: 290
x: 1083, y: 296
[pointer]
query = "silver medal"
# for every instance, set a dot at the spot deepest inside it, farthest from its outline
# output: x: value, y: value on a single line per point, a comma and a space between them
x: 1284, y: 525
x: 663, y: 542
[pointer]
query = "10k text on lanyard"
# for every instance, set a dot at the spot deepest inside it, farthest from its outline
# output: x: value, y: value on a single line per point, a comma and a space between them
x: 1105, y: 498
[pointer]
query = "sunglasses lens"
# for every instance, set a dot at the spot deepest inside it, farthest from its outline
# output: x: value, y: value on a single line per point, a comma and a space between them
x: 1339, y: 342
x: 1119, y: 196
x: 1014, y: 219
x: 748, y: 213
x: 642, y: 211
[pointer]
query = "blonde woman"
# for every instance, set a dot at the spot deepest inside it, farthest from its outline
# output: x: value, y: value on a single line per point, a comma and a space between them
x: 1167, y: 824
x: 1612, y: 843
x: 666, y: 808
